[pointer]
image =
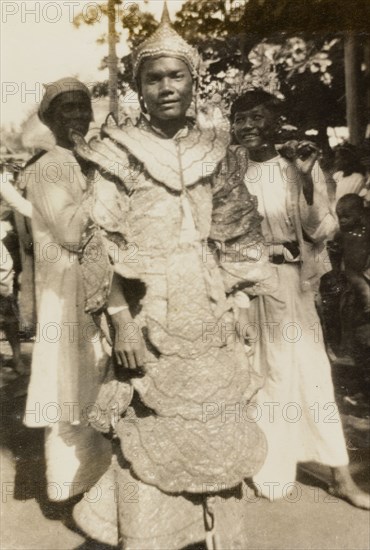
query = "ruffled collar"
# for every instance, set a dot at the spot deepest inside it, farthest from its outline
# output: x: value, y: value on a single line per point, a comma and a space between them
x: 178, y: 162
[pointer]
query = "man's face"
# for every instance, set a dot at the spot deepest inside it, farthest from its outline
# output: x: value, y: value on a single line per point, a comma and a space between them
x: 69, y: 110
x: 255, y: 128
x: 166, y: 87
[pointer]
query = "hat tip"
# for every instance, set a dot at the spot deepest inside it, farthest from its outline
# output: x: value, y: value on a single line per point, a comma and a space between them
x: 165, y: 19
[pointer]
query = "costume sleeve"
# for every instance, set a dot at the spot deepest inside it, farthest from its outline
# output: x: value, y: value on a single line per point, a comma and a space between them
x: 236, y: 229
x: 105, y: 240
x: 107, y: 229
x: 318, y: 220
x: 235, y: 215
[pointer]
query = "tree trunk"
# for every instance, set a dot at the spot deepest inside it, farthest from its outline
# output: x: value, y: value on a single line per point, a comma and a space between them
x: 352, y: 69
x: 112, y: 59
x: 367, y: 80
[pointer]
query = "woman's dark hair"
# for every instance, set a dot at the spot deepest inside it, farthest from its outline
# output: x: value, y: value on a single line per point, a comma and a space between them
x: 348, y: 159
x: 252, y: 99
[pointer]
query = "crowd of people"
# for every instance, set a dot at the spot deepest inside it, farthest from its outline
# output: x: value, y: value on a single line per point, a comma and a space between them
x: 177, y: 263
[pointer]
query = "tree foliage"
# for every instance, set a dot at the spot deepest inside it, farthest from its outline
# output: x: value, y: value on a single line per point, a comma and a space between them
x: 292, y: 48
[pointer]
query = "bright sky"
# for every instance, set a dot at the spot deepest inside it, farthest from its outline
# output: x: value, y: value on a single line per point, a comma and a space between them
x: 40, y: 44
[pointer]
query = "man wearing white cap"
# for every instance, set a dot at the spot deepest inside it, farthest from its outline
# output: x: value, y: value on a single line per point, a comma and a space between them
x: 68, y: 361
x: 66, y: 105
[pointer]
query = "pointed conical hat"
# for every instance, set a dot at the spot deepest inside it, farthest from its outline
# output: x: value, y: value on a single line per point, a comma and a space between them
x: 166, y: 42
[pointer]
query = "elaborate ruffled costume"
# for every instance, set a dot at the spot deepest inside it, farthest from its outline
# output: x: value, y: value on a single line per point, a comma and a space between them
x: 154, y: 206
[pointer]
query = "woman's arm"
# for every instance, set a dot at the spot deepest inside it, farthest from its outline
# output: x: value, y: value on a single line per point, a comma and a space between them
x: 15, y: 200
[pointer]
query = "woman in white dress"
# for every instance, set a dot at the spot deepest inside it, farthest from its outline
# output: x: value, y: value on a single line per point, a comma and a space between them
x: 296, y: 406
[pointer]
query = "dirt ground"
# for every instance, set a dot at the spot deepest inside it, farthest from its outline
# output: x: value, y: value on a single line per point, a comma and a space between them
x: 313, y: 521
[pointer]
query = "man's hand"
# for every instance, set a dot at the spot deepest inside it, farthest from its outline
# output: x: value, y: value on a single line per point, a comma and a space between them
x: 246, y: 334
x: 303, y: 154
x: 129, y: 346
x: 307, y: 154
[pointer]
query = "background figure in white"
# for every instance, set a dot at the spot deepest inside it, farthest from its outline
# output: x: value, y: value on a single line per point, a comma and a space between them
x: 8, y: 304
x: 22, y: 212
x: 68, y: 362
x: 349, y: 173
x: 297, y: 404
x: 13, y: 198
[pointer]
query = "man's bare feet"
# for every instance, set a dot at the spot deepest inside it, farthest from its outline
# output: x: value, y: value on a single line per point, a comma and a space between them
x: 345, y: 488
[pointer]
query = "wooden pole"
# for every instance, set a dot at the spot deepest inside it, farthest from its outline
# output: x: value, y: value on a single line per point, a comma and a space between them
x: 112, y: 59
x: 367, y: 80
x: 352, y: 70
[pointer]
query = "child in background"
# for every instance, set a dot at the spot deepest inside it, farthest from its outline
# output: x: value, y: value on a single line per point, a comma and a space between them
x: 352, y: 244
x: 365, y: 161
x: 350, y: 255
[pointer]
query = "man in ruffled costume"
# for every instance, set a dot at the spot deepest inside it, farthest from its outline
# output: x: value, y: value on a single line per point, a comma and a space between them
x: 163, y: 188
x: 298, y: 412
x: 68, y: 361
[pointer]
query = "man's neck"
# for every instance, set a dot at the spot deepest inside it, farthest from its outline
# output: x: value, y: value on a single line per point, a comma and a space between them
x: 167, y: 128
x: 264, y: 154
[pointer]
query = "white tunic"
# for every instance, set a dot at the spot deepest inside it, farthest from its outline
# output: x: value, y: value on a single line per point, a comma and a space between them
x: 296, y: 406
x: 68, y: 362
x: 353, y: 183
